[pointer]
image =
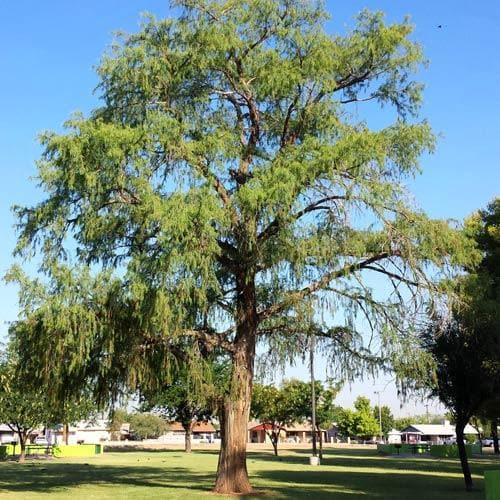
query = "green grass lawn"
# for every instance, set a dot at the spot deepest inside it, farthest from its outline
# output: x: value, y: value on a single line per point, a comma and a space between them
x: 344, y: 474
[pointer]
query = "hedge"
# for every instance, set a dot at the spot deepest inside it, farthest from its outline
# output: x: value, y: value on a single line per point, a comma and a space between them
x: 58, y: 451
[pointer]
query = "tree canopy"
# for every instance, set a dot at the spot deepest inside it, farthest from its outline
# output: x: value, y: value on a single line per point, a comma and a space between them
x: 23, y: 408
x: 291, y: 403
x: 360, y: 422
x: 227, y: 190
x: 465, y: 344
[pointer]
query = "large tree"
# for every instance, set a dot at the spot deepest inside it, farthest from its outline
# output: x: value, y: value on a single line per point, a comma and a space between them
x: 462, y: 380
x: 482, y: 292
x: 232, y: 182
x: 466, y: 345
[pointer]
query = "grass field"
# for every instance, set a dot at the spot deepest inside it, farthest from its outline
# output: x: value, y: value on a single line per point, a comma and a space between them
x: 344, y: 474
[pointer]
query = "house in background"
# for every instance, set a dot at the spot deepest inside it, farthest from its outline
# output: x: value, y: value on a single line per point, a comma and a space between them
x: 432, y: 433
x: 394, y: 437
x: 202, y: 431
x: 294, y: 433
x: 6, y: 434
x: 257, y: 433
x: 86, y: 432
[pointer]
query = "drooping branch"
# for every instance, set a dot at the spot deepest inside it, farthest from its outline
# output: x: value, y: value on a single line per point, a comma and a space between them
x: 296, y: 296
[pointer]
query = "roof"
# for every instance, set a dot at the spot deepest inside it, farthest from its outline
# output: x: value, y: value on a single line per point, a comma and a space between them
x: 198, y: 427
x: 263, y: 427
x: 435, y: 430
x: 294, y: 427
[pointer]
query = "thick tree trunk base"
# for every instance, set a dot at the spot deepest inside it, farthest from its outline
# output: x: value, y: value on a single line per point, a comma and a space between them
x: 232, y: 474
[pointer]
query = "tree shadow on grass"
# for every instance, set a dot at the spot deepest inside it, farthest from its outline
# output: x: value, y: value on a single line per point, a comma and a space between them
x: 320, y: 484
x: 51, y: 477
x: 361, y: 459
x: 343, y: 474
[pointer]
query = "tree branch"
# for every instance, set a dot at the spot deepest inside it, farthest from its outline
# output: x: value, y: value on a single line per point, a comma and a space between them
x: 276, y: 224
x: 294, y: 297
x: 392, y: 275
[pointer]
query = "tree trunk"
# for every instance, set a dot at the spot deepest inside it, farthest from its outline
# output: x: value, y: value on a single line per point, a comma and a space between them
x: 320, y: 443
x: 274, y: 440
x: 188, y: 431
x: 494, y: 434
x: 232, y: 474
x: 459, y: 428
x: 66, y: 433
x: 23, y: 437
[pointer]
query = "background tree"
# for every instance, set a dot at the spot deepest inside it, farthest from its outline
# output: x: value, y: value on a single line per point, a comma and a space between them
x: 387, y: 419
x: 482, y: 291
x: 292, y: 403
x: 117, y: 418
x: 360, y: 422
x: 74, y: 409
x: 366, y: 425
x: 146, y: 425
x: 466, y: 344
x: 272, y: 406
x: 326, y: 411
x: 489, y: 418
x: 461, y: 381
x: 22, y: 408
x: 187, y: 402
x: 346, y: 423
x: 402, y: 422
x: 227, y: 182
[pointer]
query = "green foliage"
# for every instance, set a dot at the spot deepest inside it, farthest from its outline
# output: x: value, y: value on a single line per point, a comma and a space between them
x: 466, y: 347
x: 187, y: 401
x: 361, y: 422
x: 470, y: 438
x: 402, y: 422
x: 387, y: 418
x: 23, y: 407
x: 118, y: 417
x: 146, y: 425
x: 292, y: 403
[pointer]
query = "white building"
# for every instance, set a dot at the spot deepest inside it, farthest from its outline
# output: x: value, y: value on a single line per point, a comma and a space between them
x: 394, y: 437
x: 86, y: 432
x: 432, y: 433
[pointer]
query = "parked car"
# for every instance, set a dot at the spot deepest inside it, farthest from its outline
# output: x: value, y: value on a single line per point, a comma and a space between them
x: 488, y: 442
x: 450, y: 440
x: 41, y: 440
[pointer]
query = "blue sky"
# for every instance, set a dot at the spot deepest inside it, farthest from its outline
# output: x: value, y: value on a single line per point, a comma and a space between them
x: 50, y: 49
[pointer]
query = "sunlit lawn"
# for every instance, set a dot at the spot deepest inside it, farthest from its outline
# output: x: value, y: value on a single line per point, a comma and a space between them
x: 172, y: 474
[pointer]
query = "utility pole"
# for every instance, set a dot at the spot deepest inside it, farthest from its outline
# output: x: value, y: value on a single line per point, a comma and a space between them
x: 313, y: 397
x: 379, y: 415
